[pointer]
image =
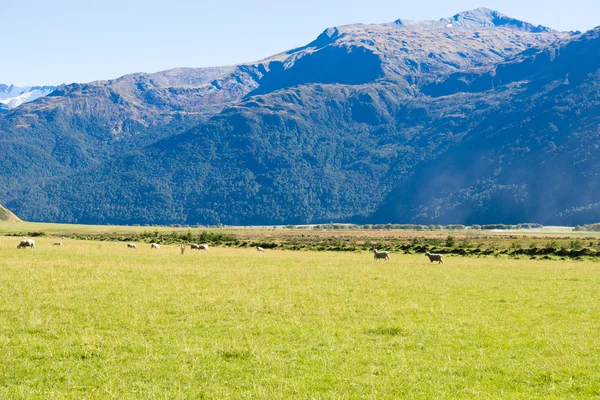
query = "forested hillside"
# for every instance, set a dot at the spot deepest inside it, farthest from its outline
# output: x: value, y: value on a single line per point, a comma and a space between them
x: 478, y: 118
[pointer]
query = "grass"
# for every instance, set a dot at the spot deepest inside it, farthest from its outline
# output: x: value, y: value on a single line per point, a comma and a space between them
x: 98, y: 320
x: 11, y: 227
x: 7, y: 215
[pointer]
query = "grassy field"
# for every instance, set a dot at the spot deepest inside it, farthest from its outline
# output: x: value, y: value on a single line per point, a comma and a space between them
x: 98, y: 320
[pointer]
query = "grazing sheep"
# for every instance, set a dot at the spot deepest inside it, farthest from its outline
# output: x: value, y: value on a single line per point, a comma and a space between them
x: 26, y: 243
x: 131, y: 245
x: 203, y: 246
x: 435, y: 257
x: 57, y: 244
x: 381, y: 255
x: 154, y: 246
x: 258, y: 248
x: 195, y: 246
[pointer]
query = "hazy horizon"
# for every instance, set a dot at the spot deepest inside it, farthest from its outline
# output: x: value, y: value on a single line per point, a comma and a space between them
x: 68, y: 41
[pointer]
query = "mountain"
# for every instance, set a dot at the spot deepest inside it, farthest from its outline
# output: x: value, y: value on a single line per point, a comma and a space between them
x: 531, y: 159
x: 12, y: 96
x: 475, y: 19
x: 404, y: 51
x: 80, y: 125
x: 475, y: 118
x: 7, y: 215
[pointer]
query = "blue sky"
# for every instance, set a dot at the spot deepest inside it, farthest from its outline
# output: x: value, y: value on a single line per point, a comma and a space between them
x: 64, y: 41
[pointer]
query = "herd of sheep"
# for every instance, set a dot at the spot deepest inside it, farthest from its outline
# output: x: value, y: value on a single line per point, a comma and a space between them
x: 385, y: 255
x: 377, y: 255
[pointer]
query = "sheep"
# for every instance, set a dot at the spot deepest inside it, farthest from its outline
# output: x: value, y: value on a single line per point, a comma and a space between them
x: 381, y: 255
x: 26, y: 243
x: 203, y: 246
x: 131, y: 245
x: 154, y: 246
x: 57, y: 244
x: 195, y: 246
x: 258, y: 248
x: 435, y: 257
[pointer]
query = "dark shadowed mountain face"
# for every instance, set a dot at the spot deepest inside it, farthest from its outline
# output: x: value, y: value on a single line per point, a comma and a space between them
x: 480, y: 118
x: 534, y: 158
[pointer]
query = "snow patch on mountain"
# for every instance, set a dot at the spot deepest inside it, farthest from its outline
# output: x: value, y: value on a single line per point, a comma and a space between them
x: 12, y: 96
x: 480, y: 18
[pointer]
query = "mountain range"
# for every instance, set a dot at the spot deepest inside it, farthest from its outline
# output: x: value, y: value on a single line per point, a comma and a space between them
x: 12, y: 96
x: 476, y: 118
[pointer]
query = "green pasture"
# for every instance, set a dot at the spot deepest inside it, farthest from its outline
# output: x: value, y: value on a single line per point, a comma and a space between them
x: 97, y: 320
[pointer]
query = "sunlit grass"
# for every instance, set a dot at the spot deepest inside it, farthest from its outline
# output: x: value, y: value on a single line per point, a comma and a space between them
x: 98, y: 320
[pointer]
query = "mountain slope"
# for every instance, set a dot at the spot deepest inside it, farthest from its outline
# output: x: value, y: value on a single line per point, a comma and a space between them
x: 534, y: 159
x: 410, y: 51
x: 80, y: 125
x: 7, y: 215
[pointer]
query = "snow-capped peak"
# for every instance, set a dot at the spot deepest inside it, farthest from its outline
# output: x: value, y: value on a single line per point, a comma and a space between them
x: 474, y: 19
x: 12, y: 96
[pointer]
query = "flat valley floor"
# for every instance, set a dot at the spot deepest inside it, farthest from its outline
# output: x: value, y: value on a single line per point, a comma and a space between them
x: 97, y: 320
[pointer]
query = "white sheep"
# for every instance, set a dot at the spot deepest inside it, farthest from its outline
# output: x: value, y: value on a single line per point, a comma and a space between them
x: 435, y: 257
x: 258, y: 248
x: 203, y: 246
x: 195, y: 246
x: 26, y: 243
x: 381, y: 255
x: 154, y: 246
x: 131, y: 245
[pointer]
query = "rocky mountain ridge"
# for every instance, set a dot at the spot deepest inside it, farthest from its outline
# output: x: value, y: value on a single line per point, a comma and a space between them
x: 475, y: 19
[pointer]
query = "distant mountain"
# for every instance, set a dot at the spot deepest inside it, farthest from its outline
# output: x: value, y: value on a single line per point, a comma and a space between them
x: 12, y: 96
x: 475, y: 19
x: 478, y: 118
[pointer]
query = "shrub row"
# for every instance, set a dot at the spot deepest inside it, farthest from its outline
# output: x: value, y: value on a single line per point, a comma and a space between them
x: 413, y: 227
